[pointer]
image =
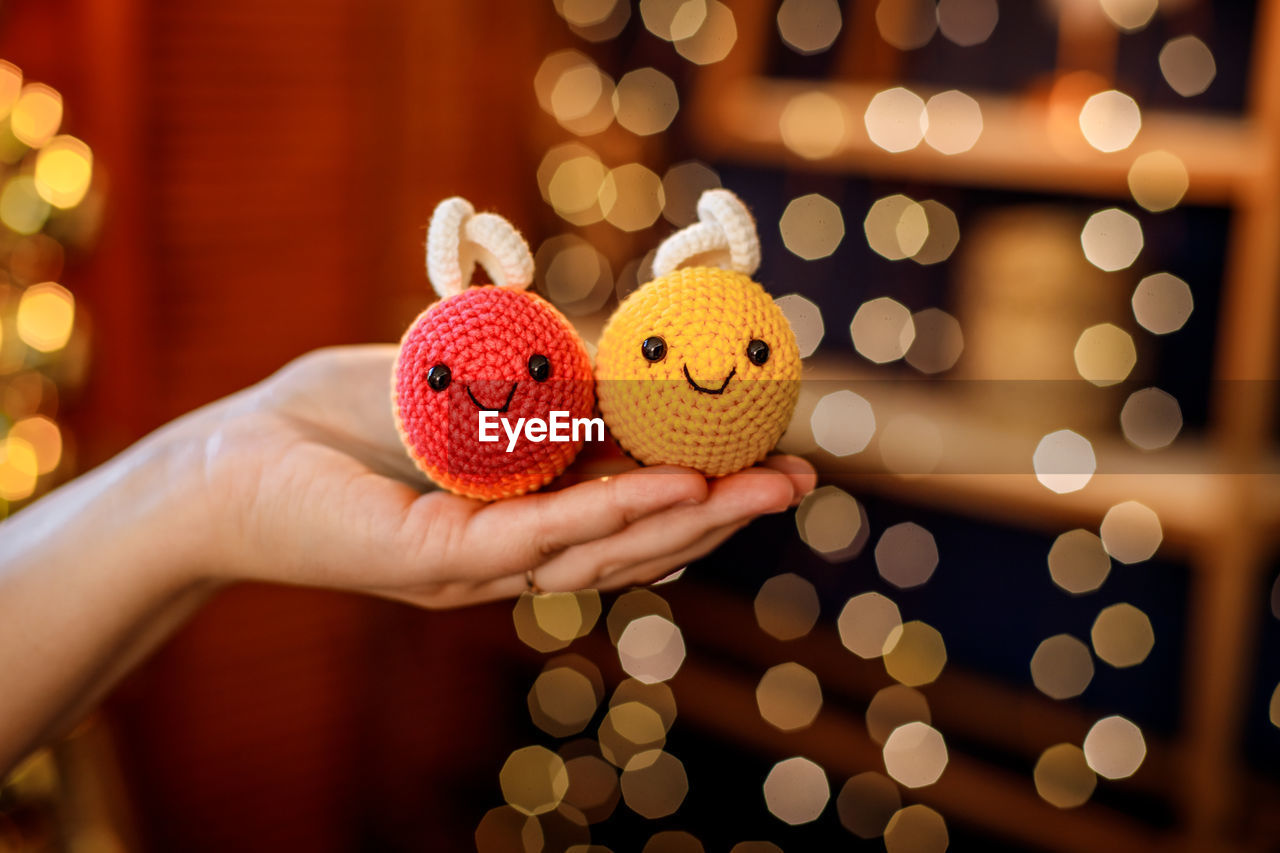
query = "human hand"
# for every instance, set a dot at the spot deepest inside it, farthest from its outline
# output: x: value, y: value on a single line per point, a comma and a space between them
x: 305, y: 481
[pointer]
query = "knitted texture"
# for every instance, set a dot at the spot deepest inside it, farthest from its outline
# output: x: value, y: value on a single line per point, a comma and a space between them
x: 724, y: 233
x: 485, y: 337
x: 458, y: 238
x: 705, y: 404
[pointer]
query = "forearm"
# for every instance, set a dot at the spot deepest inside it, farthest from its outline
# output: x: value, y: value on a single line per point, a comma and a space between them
x: 92, y: 578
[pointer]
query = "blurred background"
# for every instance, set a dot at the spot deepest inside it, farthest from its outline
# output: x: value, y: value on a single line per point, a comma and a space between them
x: 1031, y: 252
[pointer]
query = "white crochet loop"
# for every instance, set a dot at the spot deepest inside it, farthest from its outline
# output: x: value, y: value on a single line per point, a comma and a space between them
x: 724, y: 236
x: 458, y: 238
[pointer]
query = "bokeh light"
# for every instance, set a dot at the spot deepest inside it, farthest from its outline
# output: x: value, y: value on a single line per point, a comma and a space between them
x: 813, y: 125
x: 953, y: 121
x: 46, y: 316
x: 564, y: 696
x: 631, y: 605
x: 809, y: 26
x: 504, y: 829
x: 1063, y: 777
x: 64, y: 169
x: 630, y: 729
x: 1061, y: 667
x: 1162, y: 303
x: 942, y: 233
x: 574, y: 274
x: 866, y: 623
x: 896, y: 119
x: 645, y: 101
x: 805, y: 318
x: 906, y: 24
x: 1104, y: 354
x: 914, y: 653
x: 44, y: 438
x: 631, y: 197
x: 755, y: 847
x: 894, y: 706
x: 812, y: 226
x: 533, y: 780
x: 910, y: 445
x: 1130, y: 15
x: 19, y: 469
x: 786, y: 606
x: 967, y: 22
x: 654, y: 784
x: 657, y: 697
x: 574, y: 175
x: 10, y: 86
x: 916, y: 829
x: 1064, y: 461
x: 593, y: 782
x: 714, y: 39
x: 1112, y: 239
x: 21, y: 207
x: 670, y: 20
x: 906, y: 555
x: 882, y: 330
x: 915, y: 754
x: 573, y: 90
x: 796, y: 790
x: 36, y: 115
x: 1187, y: 65
x: 682, y: 186
x: 1115, y: 747
x: 1151, y: 419
x: 789, y: 696
x: 1122, y: 636
x: 673, y: 841
x: 1158, y: 180
x: 866, y: 803
x: 651, y: 649
x: 1110, y: 120
x: 595, y: 20
x: 1078, y: 562
x: 938, y: 342
x: 1131, y: 532
x: 896, y: 227
x: 843, y: 423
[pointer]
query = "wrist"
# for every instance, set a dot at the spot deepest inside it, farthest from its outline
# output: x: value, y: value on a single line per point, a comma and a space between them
x: 147, y: 509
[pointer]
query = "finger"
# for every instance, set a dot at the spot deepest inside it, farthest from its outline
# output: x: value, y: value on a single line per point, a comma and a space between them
x: 521, y: 533
x: 803, y: 477
x: 737, y: 498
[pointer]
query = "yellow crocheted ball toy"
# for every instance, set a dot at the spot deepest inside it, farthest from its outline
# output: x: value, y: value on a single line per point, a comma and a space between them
x: 699, y: 367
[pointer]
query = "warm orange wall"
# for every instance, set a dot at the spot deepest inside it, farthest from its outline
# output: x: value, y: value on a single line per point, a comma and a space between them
x: 271, y: 166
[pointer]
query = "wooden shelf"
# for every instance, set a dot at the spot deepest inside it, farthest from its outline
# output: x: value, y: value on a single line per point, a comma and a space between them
x: 984, y: 466
x: 1017, y: 149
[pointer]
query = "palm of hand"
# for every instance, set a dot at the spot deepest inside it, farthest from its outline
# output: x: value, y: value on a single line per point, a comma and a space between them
x: 314, y: 487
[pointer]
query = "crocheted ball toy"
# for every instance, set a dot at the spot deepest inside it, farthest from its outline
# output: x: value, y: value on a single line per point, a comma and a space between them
x: 499, y: 349
x: 699, y: 367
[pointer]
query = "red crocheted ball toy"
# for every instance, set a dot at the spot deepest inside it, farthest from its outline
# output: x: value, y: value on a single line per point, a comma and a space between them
x: 500, y: 349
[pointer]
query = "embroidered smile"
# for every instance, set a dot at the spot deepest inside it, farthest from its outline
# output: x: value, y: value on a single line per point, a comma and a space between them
x: 700, y: 389
x: 485, y: 408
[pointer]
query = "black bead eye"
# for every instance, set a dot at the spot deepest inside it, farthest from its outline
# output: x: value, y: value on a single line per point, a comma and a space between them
x: 439, y: 377
x: 654, y: 348
x: 539, y: 367
x: 758, y: 351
